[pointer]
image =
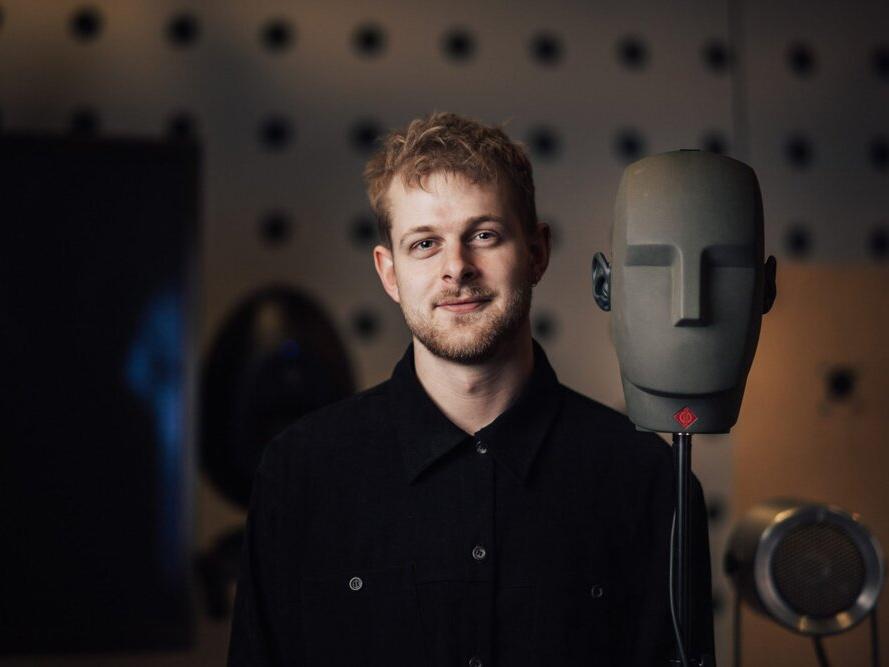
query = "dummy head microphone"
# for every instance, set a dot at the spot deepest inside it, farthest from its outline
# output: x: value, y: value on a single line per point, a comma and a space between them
x: 687, y: 288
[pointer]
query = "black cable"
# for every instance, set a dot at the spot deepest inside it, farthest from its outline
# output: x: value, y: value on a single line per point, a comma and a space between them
x: 819, y: 651
x: 678, y: 635
x: 874, y: 638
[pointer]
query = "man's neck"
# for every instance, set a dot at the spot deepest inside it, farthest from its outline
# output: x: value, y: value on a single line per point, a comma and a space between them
x: 472, y: 396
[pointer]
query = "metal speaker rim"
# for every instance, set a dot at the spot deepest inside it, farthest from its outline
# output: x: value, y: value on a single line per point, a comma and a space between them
x: 785, y: 521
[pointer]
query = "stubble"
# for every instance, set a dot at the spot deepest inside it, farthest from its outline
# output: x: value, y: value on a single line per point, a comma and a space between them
x: 476, y: 336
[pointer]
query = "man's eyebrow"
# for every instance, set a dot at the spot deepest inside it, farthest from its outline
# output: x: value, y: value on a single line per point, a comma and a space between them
x: 485, y: 217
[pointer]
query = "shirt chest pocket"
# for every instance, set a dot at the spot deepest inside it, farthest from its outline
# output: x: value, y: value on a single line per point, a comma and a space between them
x: 574, y: 620
x: 361, y: 617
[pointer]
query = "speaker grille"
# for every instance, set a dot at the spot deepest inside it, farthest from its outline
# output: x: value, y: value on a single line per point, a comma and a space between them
x: 818, y: 570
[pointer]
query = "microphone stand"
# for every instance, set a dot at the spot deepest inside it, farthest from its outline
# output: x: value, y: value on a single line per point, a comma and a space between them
x: 682, y: 471
x: 679, y: 588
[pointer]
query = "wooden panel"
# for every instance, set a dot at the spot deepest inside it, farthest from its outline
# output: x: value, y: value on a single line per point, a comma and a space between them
x: 793, y: 440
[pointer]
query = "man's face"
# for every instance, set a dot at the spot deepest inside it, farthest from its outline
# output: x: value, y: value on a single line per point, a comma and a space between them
x: 455, y: 241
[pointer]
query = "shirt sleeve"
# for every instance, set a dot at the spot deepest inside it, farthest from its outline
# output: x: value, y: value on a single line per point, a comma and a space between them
x: 651, y: 636
x: 254, y: 640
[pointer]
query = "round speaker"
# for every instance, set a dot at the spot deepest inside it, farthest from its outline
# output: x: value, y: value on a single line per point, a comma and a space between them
x: 813, y: 568
x: 277, y: 357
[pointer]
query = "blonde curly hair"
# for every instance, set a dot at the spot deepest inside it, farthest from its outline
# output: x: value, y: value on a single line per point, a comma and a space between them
x: 444, y: 141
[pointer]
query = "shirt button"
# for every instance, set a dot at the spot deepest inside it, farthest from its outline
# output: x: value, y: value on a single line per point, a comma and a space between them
x: 480, y: 447
x: 478, y: 552
x: 355, y: 583
x: 475, y: 662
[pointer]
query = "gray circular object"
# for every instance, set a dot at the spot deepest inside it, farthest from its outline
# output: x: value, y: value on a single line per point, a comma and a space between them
x: 813, y: 568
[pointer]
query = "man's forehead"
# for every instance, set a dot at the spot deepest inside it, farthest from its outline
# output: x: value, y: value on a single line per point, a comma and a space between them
x: 444, y: 198
x: 438, y: 184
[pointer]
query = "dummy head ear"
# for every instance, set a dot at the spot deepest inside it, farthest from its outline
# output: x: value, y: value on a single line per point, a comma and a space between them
x: 770, y: 287
x: 602, y: 281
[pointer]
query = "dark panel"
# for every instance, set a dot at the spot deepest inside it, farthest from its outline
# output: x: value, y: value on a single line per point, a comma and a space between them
x: 97, y: 249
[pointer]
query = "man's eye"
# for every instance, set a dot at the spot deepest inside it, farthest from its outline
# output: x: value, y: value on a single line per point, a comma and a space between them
x: 490, y: 235
x: 484, y: 236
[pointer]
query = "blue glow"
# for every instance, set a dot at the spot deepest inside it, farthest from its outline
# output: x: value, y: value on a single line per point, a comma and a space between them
x: 155, y: 372
x: 290, y: 349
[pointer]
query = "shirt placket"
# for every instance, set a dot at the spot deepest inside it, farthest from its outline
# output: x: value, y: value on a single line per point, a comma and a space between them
x: 485, y: 557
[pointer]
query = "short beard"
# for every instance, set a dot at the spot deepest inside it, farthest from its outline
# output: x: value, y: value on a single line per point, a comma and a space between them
x: 490, y: 339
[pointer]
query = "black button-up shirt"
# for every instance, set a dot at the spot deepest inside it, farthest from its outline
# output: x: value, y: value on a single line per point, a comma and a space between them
x: 380, y: 533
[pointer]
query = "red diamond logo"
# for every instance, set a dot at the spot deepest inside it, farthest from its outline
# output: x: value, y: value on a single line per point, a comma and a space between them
x: 685, y: 417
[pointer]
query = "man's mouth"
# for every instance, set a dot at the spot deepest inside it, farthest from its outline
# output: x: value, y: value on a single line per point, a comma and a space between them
x: 463, y: 305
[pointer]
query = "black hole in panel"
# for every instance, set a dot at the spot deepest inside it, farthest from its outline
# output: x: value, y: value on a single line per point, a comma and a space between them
x: 545, y: 326
x: 364, y: 231
x: 546, y: 48
x: 799, y: 152
x: 632, y: 52
x: 277, y: 35
x: 365, y: 324
x: 840, y: 383
x: 458, y: 44
x: 86, y: 23
x: 715, y: 142
x: 878, y: 243
x: 364, y: 134
x: 182, y: 125
x: 275, y: 133
x: 275, y: 227
x: 544, y: 142
x: 183, y: 30
x: 629, y: 145
x: 798, y: 241
x: 879, y: 153
x: 369, y: 40
x: 801, y: 59
x: 880, y: 61
x: 716, y: 56
x: 85, y: 122
x: 716, y: 509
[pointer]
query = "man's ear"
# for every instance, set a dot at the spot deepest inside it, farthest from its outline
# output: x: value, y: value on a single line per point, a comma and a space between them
x: 540, y: 247
x: 385, y: 266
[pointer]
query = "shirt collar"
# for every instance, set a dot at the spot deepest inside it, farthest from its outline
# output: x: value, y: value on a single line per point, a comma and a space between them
x: 425, y: 434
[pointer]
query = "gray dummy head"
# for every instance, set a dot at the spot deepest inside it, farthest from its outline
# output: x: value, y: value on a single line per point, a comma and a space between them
x: 687, y: 289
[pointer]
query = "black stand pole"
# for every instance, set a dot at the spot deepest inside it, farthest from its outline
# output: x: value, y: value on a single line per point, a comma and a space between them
x: 680, y: 556
x: 682, y: 469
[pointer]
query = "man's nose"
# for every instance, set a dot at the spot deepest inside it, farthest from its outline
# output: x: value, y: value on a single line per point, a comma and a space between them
x: 688, y: 290
x: 458, y: 264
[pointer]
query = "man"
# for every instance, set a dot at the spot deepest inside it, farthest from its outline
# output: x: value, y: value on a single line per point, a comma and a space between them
x: 470, y: 510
